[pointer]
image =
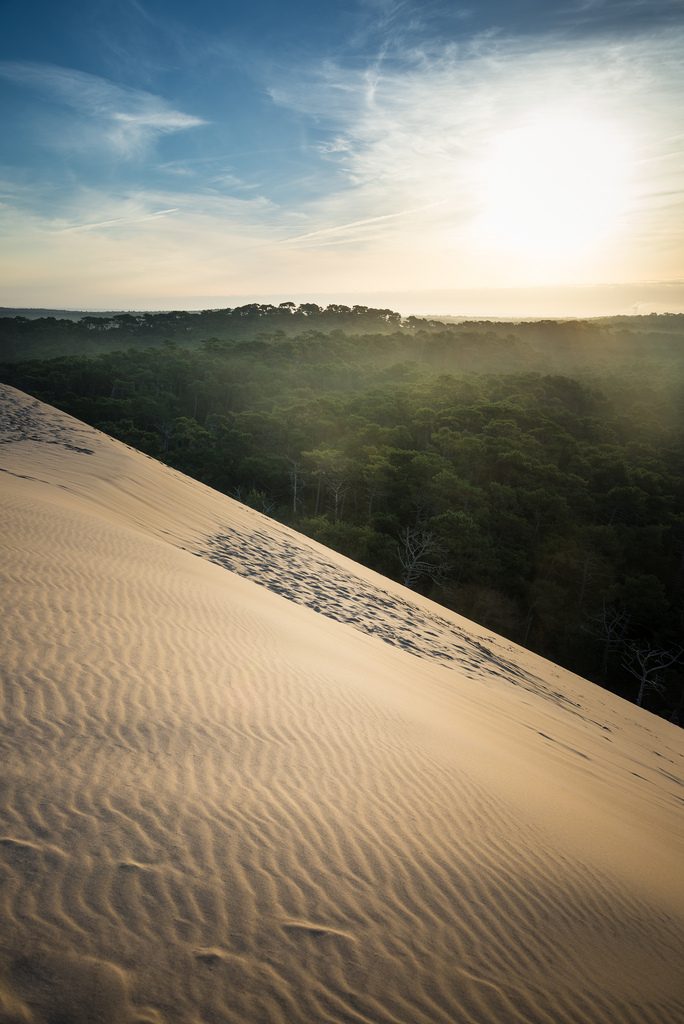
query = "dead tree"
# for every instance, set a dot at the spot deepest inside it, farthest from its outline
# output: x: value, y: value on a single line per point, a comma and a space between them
x: 295, y: 478
x: 420, y: 556
x: 610, y: 627
x: 648, y: 665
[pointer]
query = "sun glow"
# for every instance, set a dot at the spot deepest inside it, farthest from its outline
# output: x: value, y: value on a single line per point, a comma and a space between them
x: 553, y: 187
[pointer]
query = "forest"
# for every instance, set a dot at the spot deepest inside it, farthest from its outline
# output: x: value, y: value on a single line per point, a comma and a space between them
x: 528, y: 475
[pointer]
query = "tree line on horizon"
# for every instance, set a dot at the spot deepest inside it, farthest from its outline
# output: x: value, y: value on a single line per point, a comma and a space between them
x: 530, y: 477
x: 25, y: 335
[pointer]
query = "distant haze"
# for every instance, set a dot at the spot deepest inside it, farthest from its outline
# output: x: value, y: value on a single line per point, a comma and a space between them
x: 529, y: 303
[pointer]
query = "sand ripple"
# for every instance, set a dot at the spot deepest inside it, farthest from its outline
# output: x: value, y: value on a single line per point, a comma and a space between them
x: 219, y: 806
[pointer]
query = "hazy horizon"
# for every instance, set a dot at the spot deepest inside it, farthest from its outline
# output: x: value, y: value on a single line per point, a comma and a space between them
x: 578, y: 303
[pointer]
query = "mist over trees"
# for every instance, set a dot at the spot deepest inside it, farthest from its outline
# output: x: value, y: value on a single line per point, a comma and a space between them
x: 529, y: 476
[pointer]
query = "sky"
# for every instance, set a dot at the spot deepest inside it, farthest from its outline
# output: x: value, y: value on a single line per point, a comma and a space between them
x: 492, y: 158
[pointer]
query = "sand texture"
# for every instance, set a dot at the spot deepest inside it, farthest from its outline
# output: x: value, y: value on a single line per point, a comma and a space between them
x: 243, y: 779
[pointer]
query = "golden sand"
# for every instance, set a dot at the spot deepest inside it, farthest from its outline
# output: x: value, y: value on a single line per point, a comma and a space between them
x: 244, y: 779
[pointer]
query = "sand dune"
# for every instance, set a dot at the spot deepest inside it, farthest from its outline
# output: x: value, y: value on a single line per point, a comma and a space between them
x: 246, y: 780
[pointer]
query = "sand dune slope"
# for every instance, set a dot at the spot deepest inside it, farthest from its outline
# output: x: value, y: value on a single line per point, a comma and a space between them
x: 245, y: 780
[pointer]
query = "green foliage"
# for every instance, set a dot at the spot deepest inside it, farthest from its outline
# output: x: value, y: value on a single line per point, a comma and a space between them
x: 552, y: 500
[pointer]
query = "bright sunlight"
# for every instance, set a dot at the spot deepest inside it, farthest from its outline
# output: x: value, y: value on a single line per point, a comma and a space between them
x: 554, y: 186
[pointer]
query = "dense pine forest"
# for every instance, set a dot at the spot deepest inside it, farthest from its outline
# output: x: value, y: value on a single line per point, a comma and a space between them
x: 528, y: 475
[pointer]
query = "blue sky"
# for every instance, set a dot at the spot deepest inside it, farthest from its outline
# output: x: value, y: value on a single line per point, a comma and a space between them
x: 490, y: 158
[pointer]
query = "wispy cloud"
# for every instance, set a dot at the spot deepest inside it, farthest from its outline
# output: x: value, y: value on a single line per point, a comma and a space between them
x: 352, y: 228
x: 119, y: 221
x: 125, y: 120
x: 622, y: 13
x: 421, y: 131
x: 140, y: 244
x: 398, y: 148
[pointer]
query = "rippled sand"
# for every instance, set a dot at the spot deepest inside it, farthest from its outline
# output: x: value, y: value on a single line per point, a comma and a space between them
x: 245, y: 780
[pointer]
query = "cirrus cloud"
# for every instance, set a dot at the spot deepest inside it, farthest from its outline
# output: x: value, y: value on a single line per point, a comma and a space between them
x: 125, y: 120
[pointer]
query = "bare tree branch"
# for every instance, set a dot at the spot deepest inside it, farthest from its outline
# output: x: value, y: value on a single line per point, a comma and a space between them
x: 420, y: 555
x: 648, y: 665
x: 610, y: 627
